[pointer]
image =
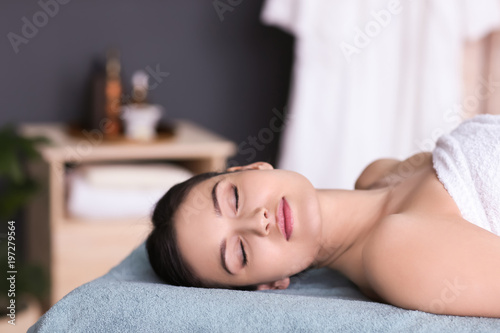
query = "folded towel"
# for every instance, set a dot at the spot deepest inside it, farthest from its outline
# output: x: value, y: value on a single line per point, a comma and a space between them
x: 150, y: 175
x: 467, y: 162
x: 120, y: 191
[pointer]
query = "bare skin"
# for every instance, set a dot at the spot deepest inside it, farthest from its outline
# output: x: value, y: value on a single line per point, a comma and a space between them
x: 399, y: 236
x: 421, y: 254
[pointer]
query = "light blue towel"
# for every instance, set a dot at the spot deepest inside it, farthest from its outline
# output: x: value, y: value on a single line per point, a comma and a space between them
x: 130, y: 299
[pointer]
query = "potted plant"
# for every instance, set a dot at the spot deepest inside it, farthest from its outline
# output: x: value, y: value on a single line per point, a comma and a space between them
x: 22, y: 284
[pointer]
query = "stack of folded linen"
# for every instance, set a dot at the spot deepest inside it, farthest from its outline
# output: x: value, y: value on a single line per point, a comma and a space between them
x: 100, y: 191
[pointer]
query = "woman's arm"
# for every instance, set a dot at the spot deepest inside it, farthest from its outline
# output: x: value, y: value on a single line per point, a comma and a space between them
x: 438, y: 266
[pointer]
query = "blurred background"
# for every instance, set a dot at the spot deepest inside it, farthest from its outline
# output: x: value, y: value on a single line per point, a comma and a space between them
x: 226, y: 70
x: 320, y: 87
x: 221, y: 69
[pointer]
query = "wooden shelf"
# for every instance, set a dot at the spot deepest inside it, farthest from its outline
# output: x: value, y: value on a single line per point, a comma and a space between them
x: 189, y: 142
x: 105, y: 221
x: 77, y: 250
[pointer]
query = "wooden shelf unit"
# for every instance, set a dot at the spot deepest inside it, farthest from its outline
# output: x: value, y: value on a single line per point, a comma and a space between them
x: 74, y: 250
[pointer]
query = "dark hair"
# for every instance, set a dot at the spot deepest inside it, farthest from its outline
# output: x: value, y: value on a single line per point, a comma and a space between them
x: 161, y: 244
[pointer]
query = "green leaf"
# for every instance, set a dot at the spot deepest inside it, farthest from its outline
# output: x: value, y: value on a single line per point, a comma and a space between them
x: 10, y: 167
x: 28, y: 145
x: 15, y: 197
x: 14, y: 151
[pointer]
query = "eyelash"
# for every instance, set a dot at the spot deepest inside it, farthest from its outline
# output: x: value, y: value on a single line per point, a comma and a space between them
x: 236, y: 197
x: 245, y: 261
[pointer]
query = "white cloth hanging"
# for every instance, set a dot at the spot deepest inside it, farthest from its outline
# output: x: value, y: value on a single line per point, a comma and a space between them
x: 373, y: 79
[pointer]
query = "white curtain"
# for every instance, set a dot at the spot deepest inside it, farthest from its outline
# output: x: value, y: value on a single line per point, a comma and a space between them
x: 373, y: 79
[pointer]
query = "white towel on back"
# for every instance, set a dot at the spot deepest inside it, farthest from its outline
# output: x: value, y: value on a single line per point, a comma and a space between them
x: 467, y: 162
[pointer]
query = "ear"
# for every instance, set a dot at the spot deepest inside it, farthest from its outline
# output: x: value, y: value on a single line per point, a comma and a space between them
x: 253, y: 166
x: 280, y: 284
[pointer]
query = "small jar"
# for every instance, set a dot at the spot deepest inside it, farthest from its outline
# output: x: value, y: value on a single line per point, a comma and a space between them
x: 140, y: 121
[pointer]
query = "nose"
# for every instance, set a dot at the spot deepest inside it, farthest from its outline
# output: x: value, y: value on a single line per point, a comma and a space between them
x: 258, y: 222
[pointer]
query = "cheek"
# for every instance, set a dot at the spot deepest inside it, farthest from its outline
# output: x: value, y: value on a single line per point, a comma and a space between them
x: 270, y: 256
x: 304, y: 256
x: 273, y: 261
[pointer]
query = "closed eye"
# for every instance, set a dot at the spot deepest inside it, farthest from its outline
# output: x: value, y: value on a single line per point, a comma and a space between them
x: 236, y: 197
x: 236, y: 203
x: 244, y: 254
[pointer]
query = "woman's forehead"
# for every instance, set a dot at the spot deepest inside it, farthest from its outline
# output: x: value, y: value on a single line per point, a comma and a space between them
x: 199, y: 200
x: 204, y: 187
x: 197, y: 230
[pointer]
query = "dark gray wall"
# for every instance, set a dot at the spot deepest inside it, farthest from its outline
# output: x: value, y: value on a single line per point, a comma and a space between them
x: 226, y: 74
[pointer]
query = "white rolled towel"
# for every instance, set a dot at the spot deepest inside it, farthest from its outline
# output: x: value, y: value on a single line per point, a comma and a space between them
x: 467, y: 162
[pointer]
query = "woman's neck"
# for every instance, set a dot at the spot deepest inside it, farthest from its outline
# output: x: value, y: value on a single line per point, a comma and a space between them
x: 348, y: 216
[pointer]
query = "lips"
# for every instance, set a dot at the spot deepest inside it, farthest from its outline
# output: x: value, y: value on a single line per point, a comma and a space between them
x: 285, y: 219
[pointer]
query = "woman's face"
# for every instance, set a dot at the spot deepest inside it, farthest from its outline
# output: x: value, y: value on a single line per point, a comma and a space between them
x: 232, y: 229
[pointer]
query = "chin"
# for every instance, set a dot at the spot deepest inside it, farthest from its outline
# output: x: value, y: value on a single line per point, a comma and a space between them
x: 308, y: 222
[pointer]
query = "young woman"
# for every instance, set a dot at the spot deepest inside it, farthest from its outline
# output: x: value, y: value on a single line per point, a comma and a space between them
x: 399, y: 236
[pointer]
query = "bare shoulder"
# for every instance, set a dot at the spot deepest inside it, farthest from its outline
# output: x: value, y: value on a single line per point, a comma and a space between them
x: 384, y: 171
x: 374, y: 171
x: 444, y: 266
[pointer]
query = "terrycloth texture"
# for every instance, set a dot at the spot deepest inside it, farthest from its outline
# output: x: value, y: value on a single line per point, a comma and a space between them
x: 467, y: 162
x: 130, y: 299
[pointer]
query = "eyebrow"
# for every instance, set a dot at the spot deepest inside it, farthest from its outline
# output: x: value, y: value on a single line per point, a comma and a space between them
x: 214, y: 199
x: 223, y: 256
